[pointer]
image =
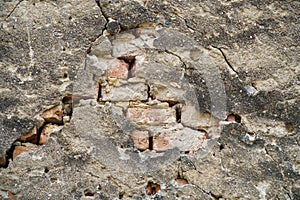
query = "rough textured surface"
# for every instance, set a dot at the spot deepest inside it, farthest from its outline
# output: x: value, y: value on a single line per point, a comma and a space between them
x: 149, y: 99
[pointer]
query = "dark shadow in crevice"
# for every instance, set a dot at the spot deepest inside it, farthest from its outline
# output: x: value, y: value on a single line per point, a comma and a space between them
x: 130, y: 60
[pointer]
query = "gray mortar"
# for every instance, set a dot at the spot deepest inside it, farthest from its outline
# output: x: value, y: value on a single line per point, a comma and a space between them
x: 45, y: 48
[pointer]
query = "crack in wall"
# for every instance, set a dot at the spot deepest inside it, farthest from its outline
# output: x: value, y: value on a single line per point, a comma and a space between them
x: 103, y: 14
x: 11, y: 12
x: 181, y: 60
x: 39, y: 134
x: 226, y: 59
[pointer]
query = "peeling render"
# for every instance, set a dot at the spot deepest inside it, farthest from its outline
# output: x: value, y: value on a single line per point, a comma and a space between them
x: 140, y: 100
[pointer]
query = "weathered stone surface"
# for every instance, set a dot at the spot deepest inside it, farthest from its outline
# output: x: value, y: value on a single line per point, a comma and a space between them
x: 42, y: 46
x: 220, y: 58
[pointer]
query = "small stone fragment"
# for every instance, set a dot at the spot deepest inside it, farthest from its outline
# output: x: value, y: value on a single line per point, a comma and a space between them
x: 53, y: 115
x: 141, y: 140
x: 66, y: 119
x: 21, y: 149
x: 118, y: 69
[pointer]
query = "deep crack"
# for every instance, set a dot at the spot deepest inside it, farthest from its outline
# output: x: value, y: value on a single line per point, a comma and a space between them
x: 226, y: 60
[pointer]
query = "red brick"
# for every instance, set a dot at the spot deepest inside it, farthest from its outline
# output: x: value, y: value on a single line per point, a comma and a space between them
x: 21, y: 149
x: 140, y: 139
x: 118, y: 69
x: 53, y: 115
x: 29, y: 137
x: 150, y: 115
x: 2, y: 161
x: 185, y: 139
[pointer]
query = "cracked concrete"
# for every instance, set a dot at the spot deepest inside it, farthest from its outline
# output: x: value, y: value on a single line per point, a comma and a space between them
x: 222, y: 58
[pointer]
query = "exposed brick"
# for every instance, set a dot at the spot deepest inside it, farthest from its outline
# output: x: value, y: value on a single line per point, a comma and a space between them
x: 21, y: 149
x: 2, y: 161
x: 118, y: 69
x: 140, y: 139
x: 29, y: 137
x: 170, y: 92
x: 47, y: 131
x: 184, y: 138
x: 128, y: 92
x: 151, y: 115
x: 53, y: 115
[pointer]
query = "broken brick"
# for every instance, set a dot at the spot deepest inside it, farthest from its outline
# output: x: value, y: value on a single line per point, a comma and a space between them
x: 29, y: 137
x: 167, y: 92
x: 47, y: 131
x: 140, y: 139
x: 21, y: 149
x: 151, y: 115
x: 118, y: 69
x: 128, y: 92
x: 177, y: 136
x: 2, y: 161
x: 53, y: 115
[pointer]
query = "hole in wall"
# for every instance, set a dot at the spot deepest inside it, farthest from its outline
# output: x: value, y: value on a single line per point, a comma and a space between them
x: 53, y: 179
x: 99, y: 95
x: 221, y: 147
x: 130, y: 60
x: 121, y: 195
x: 88, y: 193
x: 152, y: 188
x: 289, y: 127
x: 46, y: 170
x: 178, y: 114
x: 233, y: 117
x: 151, y: 143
